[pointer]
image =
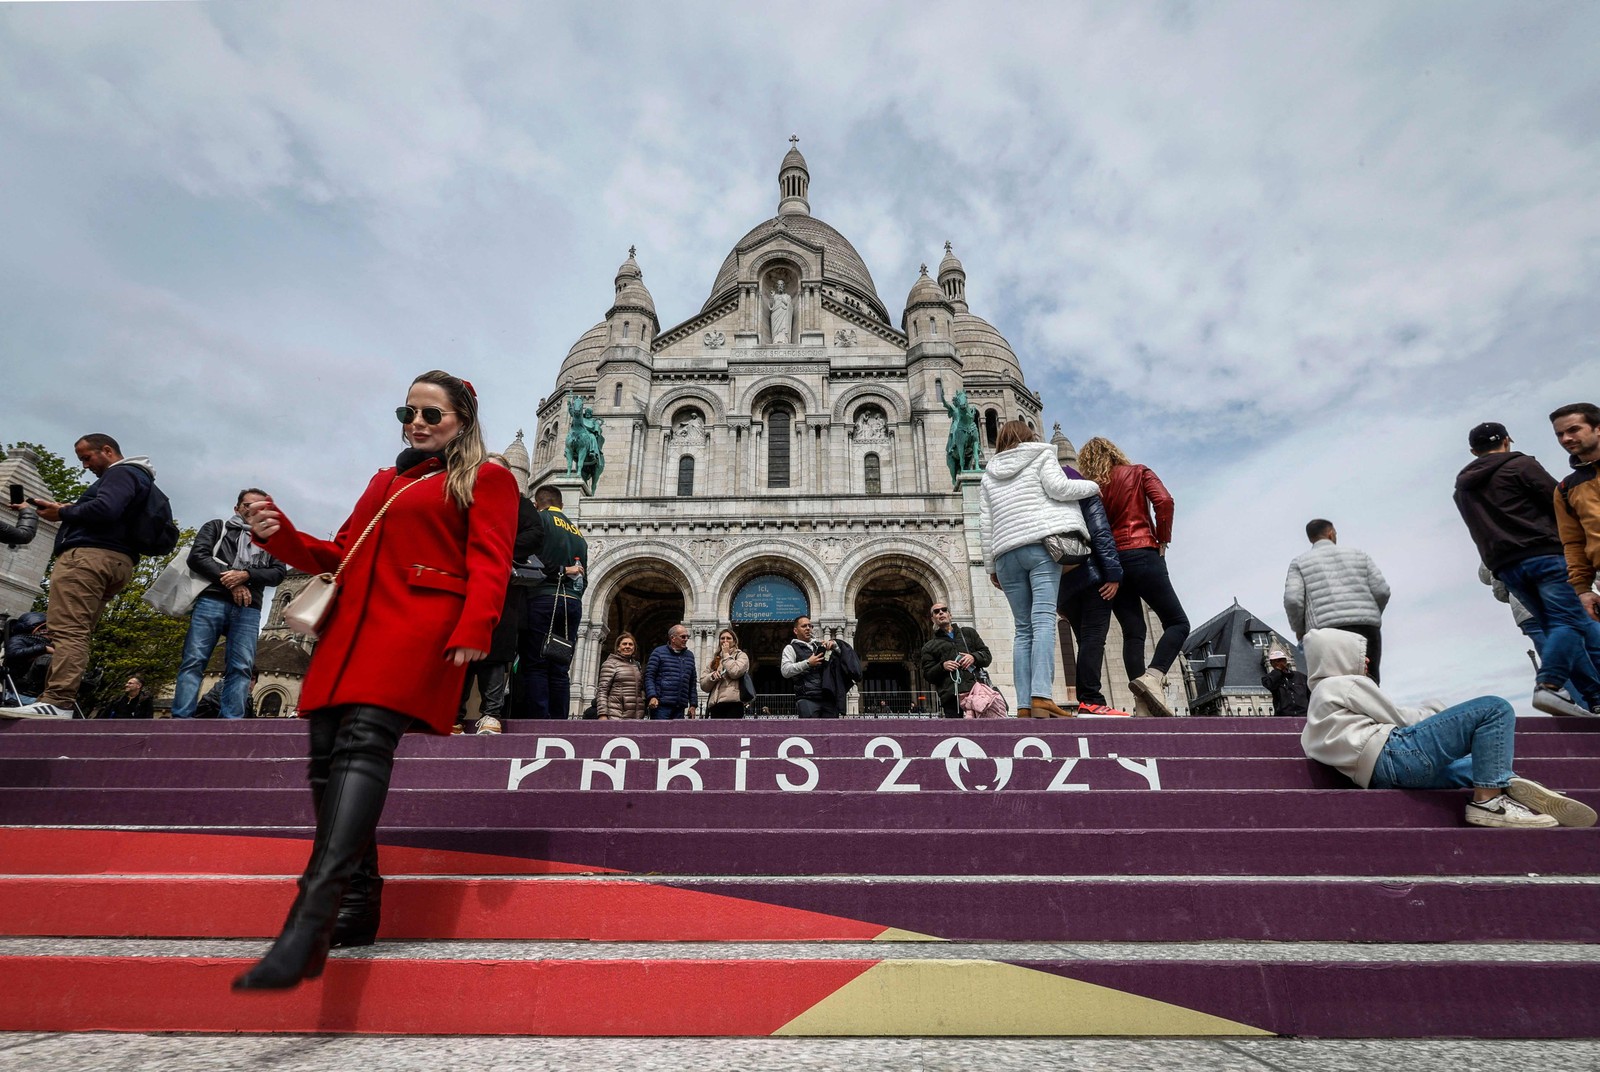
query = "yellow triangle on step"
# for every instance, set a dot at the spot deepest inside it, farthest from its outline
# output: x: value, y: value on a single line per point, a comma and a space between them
x: 895, y: 934
x: 986, y: 997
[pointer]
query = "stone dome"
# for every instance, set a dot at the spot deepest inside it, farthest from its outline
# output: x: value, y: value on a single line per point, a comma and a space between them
x: 924, y: 291
x: 632, y: 294
x: 583, y: 360
x: 841, y: 264
x: 982, y: 348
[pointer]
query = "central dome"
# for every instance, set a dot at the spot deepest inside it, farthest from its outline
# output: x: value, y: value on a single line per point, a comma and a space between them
x: 841, y: 264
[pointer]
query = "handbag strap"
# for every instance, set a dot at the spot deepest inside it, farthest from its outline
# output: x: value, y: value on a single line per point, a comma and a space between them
x: 563, y: 607
x: 348, y: 555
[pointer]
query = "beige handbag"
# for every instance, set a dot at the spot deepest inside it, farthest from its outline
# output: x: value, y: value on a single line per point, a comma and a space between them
x: 307, y: 611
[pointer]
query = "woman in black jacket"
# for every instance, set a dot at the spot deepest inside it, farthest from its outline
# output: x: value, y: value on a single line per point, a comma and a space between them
x: 1085, y: 602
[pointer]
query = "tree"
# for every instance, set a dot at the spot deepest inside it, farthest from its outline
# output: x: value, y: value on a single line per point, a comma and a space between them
x: 133, y: 637
x: 64, y: 479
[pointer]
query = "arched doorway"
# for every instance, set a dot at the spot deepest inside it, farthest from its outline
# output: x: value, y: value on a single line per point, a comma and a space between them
x: 892, y: 622
x: 762, y: 612
x: 647, y: 604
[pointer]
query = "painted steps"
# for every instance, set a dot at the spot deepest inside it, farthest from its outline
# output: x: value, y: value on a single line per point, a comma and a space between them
x: 994, y: 836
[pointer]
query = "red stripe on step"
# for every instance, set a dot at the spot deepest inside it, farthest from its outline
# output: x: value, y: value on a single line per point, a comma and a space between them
x: 409, y: 997
x: 569, y: 909
x: 52, y: 851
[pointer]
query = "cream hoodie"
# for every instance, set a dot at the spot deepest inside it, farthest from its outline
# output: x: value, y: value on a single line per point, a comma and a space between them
x: 1025, y: 497
x: 1350, y: 718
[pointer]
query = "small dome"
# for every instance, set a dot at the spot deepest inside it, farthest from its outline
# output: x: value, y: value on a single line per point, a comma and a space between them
x: 583, y: 359
x: 925, y: 291
x: 632, y: 294
x: 792, y: 158
x: 983, y: 349
x: 951, y: 262
x: 630, y: 267
x: 519, y: 462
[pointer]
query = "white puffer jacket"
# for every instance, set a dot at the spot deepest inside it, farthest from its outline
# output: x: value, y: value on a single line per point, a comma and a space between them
x: 1331, y: 585
x: 1025, y: 497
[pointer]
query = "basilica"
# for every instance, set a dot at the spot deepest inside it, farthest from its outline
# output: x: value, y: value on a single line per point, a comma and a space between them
x: 783, y: 451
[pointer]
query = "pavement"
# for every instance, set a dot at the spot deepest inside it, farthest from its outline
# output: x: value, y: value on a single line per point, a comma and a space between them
x: 303, y: 1053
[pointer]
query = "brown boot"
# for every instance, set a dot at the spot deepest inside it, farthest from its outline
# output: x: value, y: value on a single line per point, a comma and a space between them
x: 1044, y: 707
x: 1024, y: 712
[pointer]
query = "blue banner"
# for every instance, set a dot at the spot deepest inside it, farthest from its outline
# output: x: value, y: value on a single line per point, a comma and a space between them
x: 769, y: 599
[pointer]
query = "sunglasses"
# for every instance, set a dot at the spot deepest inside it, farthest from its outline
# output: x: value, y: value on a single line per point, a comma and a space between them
x: 430, y: 414
x: 941, y: 610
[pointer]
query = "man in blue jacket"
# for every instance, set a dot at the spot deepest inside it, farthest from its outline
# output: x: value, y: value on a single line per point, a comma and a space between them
x: 670, y: 680
x: 94, y: 561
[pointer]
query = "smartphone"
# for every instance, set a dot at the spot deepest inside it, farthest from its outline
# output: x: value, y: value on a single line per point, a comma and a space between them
x: 16, y: 495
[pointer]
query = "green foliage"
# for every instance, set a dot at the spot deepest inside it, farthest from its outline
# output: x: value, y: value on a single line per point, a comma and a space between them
x: 134, y: 638
x: 65, y: 479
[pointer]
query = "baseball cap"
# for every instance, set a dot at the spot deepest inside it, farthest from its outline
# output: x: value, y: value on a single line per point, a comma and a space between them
x: 1487, y: 436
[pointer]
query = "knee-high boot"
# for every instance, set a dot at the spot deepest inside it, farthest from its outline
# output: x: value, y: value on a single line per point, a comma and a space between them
x: 361, y: 909
x: 352, y: 802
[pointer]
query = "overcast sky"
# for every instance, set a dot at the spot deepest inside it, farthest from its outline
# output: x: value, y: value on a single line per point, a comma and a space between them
x: 1284, y: 253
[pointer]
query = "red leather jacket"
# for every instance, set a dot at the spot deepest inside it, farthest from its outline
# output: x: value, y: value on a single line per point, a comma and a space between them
x: 1130, y: 493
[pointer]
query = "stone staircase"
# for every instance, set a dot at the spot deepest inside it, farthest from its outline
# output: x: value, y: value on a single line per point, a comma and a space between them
x: 1174, y: 877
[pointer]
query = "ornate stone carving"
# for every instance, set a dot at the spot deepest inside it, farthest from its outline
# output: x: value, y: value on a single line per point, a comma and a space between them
x: 781, y: 307
x: 707, y: 552
x: 715, y: 340
x: 871, y: 426
x: 844, y: 337
x: 691, y: 428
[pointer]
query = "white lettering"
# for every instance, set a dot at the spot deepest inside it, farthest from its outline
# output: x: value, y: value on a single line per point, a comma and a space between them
x: 1146, y: 768
x: 542, y: 758
x: 785, y: 750
x: 740, y: 765
x: 891, y: 784
x: 667, y: 770
x: 617, y: 770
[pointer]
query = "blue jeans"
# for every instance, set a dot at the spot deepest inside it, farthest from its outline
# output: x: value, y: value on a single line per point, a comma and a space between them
x: 211, y: 620
x: 1571, y: 648
x: 663, y: 713
x: 1030, y: 578
x: 1469, y: 744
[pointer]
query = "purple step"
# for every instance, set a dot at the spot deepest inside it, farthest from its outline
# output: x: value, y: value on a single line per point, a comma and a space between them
x: 1219, y: 910
x: 798, y: 774
x: 1465, y: 851
x: 977, y: 811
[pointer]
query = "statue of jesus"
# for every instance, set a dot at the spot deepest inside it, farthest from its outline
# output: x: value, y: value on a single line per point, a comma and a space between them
x: 781, y: 318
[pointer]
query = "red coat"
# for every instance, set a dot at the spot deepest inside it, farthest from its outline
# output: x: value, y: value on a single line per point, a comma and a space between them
x: 1130, y: 493
x: 430, y: 577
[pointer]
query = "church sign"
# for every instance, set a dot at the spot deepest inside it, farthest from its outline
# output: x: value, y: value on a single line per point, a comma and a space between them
x: 769, y: 599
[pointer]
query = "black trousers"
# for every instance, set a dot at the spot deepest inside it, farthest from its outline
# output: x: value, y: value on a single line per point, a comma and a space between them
x: 1144, y: 579
x: 1090, y: 619
x: 730, y: 709
x: 1374, y: 635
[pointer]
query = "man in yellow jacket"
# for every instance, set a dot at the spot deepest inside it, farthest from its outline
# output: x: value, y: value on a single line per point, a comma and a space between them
x: 1577, y: 498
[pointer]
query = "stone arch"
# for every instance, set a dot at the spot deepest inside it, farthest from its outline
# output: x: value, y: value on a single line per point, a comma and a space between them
x: 646, y: 556
x: 756, y: 394
x: 764, y: 641
x: 851, y: 400
x: 889, y: 596
x: 670, y: 401
x: 783, y: 557
x: 272, y: 701
x: 916, y: 560
x: 805, y: 263
x: 644, y: 595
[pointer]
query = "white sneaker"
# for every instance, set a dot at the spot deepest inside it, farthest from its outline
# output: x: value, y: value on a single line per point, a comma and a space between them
x: 1553, y: 703
x: 36, y: 710
x: 1151, y: 687
x: 488, y: 724
x: 1503, y: 811
x: 1562, y: 809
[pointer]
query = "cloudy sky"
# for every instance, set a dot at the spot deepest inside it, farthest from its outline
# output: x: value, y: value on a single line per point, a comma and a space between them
x: 1285, y: 253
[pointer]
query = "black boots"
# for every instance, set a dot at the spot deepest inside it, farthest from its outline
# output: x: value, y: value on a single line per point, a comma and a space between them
x: 363, y: 904
x: 351, y: 803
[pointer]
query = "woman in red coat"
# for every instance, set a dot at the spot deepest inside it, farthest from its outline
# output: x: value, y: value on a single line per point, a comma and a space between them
x: 416, y: 604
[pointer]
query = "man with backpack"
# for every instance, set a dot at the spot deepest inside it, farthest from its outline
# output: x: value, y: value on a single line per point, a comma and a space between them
x: 123, y: 515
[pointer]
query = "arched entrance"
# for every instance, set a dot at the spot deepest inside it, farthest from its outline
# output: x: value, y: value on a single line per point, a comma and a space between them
x: 892, y: 623
x: 762, y: 612
x: 646, y: 604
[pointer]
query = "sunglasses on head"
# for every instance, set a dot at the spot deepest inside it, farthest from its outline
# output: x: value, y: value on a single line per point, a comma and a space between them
x: 430, y: 414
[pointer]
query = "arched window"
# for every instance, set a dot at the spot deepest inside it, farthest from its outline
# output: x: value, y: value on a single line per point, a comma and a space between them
x: 991, y: 425
x: 271, y: 705
x: 616, y: 395
x: 625, y: 327
x: 686, y: 476
x: 780, y: 419
x: 938, y: 389
x: 874, y: 475
x: 933, y: 326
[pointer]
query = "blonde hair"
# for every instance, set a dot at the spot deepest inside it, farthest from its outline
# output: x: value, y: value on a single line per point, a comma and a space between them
x: 465, y: 453
x: 1098, y: 457
x: 716, y: 660
x: 1011, y: 434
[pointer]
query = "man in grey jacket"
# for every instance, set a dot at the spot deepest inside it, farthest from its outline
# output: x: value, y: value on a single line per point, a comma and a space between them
x: 1333, y: 587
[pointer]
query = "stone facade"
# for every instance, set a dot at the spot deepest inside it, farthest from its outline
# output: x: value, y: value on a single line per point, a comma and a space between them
x: 815, y: 463
x: 22, y: 568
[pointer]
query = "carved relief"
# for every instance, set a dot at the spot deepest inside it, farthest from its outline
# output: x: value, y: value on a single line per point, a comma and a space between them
x: 690, y: 426
x: 707, y: 552
x: 715, y: 340
x: 844, y: 337
x: 871, y: 426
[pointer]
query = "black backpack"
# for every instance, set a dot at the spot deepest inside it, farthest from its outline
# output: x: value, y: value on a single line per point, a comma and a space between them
x: 151, y: 529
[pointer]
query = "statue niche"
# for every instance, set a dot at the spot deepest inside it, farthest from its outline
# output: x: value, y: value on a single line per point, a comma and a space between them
x: 778, y: 303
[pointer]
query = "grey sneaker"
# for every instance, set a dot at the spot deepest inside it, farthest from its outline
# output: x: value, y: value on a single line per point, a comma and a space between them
x: 1503, y: 811
x: 1562, y: 809
x: 487, y: 724
x: 1553, y: 703
x: 1151, y: 687
x: 36, y: 710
